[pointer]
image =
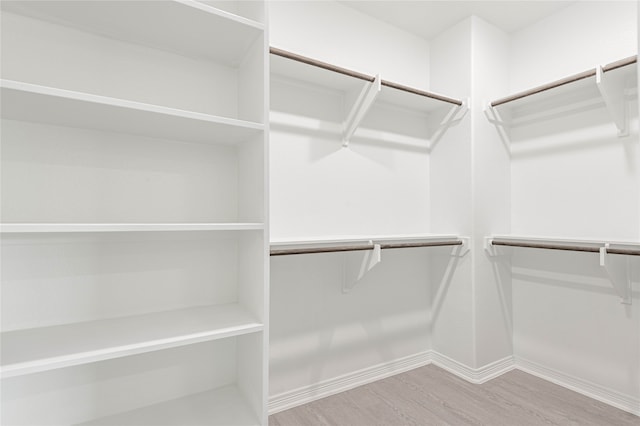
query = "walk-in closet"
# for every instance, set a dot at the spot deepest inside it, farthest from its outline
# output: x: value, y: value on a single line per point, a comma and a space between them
x: 325, y: 212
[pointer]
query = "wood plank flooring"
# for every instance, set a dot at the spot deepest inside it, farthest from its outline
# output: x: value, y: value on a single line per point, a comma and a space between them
x: 432, y: 396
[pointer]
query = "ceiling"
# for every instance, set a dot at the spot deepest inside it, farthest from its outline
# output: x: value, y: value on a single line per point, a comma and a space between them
x: 427, y: 19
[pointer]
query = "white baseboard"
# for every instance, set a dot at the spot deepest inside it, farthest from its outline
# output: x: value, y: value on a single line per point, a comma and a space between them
x: 473, y: 375
x: 480, y: 375
x: 592, y: 390
x: 345, y: 382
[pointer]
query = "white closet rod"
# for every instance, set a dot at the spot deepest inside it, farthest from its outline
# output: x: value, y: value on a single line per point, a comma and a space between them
x: 569, y: 247
x: 341, y: 248
x: 361, y: 76
x: 576, y: 77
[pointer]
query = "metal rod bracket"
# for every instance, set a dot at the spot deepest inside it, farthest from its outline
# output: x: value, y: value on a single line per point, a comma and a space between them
x: 612, y: 90
x: 367, y: 97
x: 356, y: 266
x: 618, y: 270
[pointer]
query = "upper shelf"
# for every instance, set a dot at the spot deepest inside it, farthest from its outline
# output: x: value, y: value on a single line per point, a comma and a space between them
x: 371, y: 89
x: 298, y: 67
x: 631, y: 248
x: 186, y: 27
x: 31, y: 102
x: 607, y: 83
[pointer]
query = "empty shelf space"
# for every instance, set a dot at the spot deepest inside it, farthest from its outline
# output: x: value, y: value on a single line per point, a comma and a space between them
x: 41, y: 349
x: 30, y: 102
x: 342, y: 244
x: 224, y: 406
x: 14, y: 228
x: 186, y: 27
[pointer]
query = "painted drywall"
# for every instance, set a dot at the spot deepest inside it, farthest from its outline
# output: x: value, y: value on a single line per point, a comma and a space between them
x: 451, y: 210
x: 379, y: 185
x: 571, y: 176
x: 576, y: 38
x: 491, y: 197
x: 319, y: 333
x: 334, y: 33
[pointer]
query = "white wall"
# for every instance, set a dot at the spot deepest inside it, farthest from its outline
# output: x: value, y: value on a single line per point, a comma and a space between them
x: 571, y: 176
x: 491, y: 197
x: 452, y: 301
x: 331, y: 32
x: 379, y: 185
x: 576, y: 38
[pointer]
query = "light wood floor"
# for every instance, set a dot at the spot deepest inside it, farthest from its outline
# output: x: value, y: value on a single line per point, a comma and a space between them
x: 432, y: 396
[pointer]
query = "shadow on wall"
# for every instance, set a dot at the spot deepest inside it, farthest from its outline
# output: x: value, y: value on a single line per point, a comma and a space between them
x: 570, y: 270
x: 318, y: 114
x: 557, y: 126
x: 318, y: 332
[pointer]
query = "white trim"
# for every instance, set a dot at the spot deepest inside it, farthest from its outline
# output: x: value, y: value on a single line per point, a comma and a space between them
x: 306, y: 394
x: 584, y: 387
x: 480, y: 375
x: 474, y: 375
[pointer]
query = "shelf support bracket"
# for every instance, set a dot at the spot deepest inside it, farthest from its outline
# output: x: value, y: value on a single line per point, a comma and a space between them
x: 495, y: 118
x: 356, y: 266
x: 462, y: 250
x: 617, y: 268
x: 489, y: 247
x: 367, y: 97
x: 612, y: 90
x: 455, y: 115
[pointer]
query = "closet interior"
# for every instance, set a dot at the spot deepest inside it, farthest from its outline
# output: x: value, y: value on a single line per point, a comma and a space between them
x: 212, y: 211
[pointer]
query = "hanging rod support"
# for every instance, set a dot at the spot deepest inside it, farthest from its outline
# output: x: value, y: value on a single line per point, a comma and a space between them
x: 618, y: 270
x: 367, y: 97
x: 612, y: 90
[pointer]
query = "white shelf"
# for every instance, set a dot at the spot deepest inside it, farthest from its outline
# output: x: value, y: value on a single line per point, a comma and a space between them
x: 224, y: 406
x: 572, y: 92
x: 328, y: 79
x: 566, y: 241
x: 344, y: 243
x: 31, y: 102
x: 41, y: 349
x: 186, y: 27
x: 355, y: 240
x: 15, y: 228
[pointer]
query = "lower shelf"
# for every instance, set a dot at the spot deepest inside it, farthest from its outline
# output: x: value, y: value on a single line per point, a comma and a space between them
x: 224, y: 406
x: 41, y: 349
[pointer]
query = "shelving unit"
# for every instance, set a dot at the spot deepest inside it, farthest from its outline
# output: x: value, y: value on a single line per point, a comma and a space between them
x: 369, y: 89
x: 134, y: 234
x: 608, y: 83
